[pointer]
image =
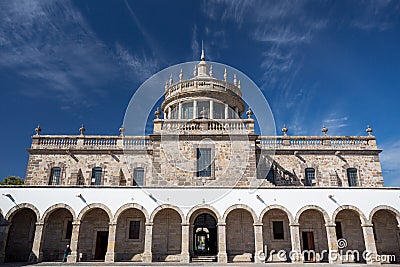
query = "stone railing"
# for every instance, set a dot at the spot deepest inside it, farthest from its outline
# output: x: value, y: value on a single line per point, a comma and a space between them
x: 321, y: 142
x: 90, y: 142
x: 201, y: 84
x: 204, y: 126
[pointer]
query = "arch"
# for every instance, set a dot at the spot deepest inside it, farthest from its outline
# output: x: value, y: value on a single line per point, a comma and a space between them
x: 277, y: 207
x: 240, y: 206
x: 198, y: 208
x: 390, y: 209
x: 19, y: 207
x: 130, y: 206
x: 55, y: 207
x: 363, y: 219
x: 91, y: 206
x: 167, y: 206
x: 313, y: 207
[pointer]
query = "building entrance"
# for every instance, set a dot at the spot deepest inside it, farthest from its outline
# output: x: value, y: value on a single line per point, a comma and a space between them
x: 101, y: 245
x: 205, y: 235
x: 308, y: 244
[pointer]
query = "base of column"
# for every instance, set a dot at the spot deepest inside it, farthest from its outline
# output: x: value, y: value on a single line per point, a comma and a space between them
x: 109, y: 257
x: 259, y: 257
x: 296, y: 257
x: 185, y: 257
x: 222, y: 257
x: 73, y: 257
x: 147, y: 257
x: 33, y: 258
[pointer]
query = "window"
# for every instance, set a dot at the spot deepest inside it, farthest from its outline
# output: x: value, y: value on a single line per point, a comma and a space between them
x: 271, y: 176
x: 68, y: 231
x: 55, y: 176
x: 187, y: 110
x: 174, y: 113
x: 134, y: 229
x: 138, y: 177
x: 352, y: 176
x: 203, y: 162
x: 96, y: 176
x: 310, y: 177
x: 277, y: 228
x: 338, y: 227
x: 200, y: 106
x: 219, y: 111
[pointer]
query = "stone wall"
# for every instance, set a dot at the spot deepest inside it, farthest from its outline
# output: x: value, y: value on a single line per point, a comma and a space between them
x: 386, y: 234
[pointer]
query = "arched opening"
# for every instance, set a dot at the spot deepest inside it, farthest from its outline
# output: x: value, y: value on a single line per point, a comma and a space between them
x: 21, y: 235
x: 130, y: 234
x: 386, y: 233
x: 93, y: 235
x: 167, y: 236
x: 57, y: 234
x: 276, y: 234
x: 313, y: 238
x: 348, y: 228
x: 240, y: 236
x: 204, y: 233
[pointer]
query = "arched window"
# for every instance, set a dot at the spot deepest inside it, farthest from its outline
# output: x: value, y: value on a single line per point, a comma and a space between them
x: 55, y: 176
x: 96, y: 176
x: 138, y: 176
x: 352, y: 176
x: 310, y: 177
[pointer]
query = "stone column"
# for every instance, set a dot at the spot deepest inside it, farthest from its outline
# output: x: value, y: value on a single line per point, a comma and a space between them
x: 194, y: 109
x: 222, y: 256
x: 237, y: 112
x: 333, y: 255
x: 180, y: 110
x: 4, y: 228
x: 370, y: 246
x: 185, y: 256
x: 36, y: 253
x: 295, y: 239
x: 227, y: 111
x: 211, y: 109
x: 112, y: 230
x: 73, y: 257
x: 258, y: 242
x: 147, y: 255
x: 169, y: 113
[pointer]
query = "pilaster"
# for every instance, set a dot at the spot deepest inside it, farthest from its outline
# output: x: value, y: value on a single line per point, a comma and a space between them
x: 4, y: 228
x: 110, y: 255
x: 36, y: 253
x: 370, y: 246
x: 73, y: 257
x: 295, y: 239
x: 334, y: 256
x: 185, y: 256
x: 258, y: 242
x: 222, y: 256
x: 147, y: 255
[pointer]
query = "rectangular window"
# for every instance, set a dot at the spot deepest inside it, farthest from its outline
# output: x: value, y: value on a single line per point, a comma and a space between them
x: 352, y: 176
x: 138, y: 177
x: 134, y: 229
x: 338, y: 227
x: 203, y: 105
x: 203, y: 162
x: 277, y: 228
x: 310, y: 177
x: 68, y: 231
x: 55, y: 176
x: 187, y: 110
x: 96, y: 176
x: 219, y: 111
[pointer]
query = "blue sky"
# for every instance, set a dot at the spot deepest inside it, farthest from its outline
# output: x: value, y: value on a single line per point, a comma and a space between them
x: 317, y: 62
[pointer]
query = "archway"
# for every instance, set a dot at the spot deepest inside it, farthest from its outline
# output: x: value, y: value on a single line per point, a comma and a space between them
x: 167, y: 235
x: 21, y: 235
x: 130, y: 235
x: 204, y: 234
x: 386, y: 233
x: 276, y: 234
x: 240, y: 235
x: 93, y: 234
x: 57, y: 234
x: 313, y: 238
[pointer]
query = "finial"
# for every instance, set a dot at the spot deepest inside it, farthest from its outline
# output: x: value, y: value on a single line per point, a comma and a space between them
x: 369, y: 130
x: 202, y: 57
x: 121, y: 131
x: 234, y: 80
x: 203, y: 113
x: 38, y: 129
x: 239, y: 86
x: 171, y: 81
x: 195, y: 71
x: 166, y: 85
x: 225, y: 75
x: 157, y: 113
x: 324, y: 130
x: 82, y: 129
x: 211, y: 71
x: 249, y: 112
x: 285, y: 130
x: 180, y: 75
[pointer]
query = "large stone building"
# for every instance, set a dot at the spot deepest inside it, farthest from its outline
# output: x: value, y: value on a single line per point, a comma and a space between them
x: 204, y: 186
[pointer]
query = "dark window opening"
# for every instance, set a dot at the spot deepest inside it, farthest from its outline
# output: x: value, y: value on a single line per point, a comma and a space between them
x: 203, y: 162
x: 134, y: 229
x: 277, y: 228
x: 352, y: 176
x: 138, y: 177
x: 55, y: 176
x: 96, y: 176
x: 310, y: 177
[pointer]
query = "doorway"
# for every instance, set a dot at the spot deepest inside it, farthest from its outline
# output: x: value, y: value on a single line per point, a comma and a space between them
x: 101, y: 245
x: 205, y: 235
x: 309, y: 246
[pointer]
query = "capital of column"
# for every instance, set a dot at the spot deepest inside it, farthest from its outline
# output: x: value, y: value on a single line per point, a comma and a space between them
x: 258, y: 224
x: 330, y: 225
x: 294, y: 224
x: 185, y: 224
x: 149, y: 224
x: 39, y: 223
x: 367, y: 225
x: 112, y: 224
x: 221, y: 224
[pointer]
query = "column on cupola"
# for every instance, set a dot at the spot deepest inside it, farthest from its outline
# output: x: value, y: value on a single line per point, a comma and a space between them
x: 169, y: 113
x: 180, y: 110
x: 211, y: 109
x: 226, y: 111
x: 194, y: 109
x: 237, y: 112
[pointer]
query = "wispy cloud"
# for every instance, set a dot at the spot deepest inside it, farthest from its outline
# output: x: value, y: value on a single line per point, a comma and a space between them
x: 390, y: 159
x: 335, y: 123
x: 195, y: 43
